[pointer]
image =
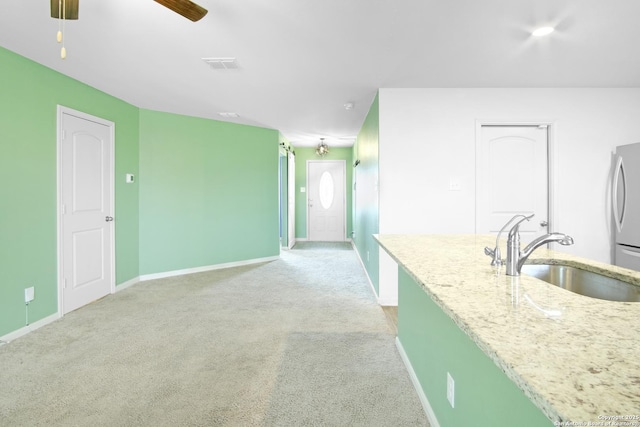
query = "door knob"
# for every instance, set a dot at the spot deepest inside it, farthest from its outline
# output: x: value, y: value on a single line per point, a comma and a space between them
x: 543, y: 223
x: 109, y: 219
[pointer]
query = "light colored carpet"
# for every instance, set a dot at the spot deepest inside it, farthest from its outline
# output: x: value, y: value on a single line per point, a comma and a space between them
x: 297, y: 341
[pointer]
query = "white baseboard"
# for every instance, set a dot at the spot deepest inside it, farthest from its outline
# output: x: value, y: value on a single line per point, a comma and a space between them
x: 428, y: 410
x: 124, y: 285
x: 29, y: 328
x: 145, y: 277
x: 304, y: 239
x: 40, y: 323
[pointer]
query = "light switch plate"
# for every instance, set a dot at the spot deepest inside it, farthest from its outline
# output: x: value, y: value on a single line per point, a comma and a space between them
x: 450, y: 389
x: 303, y: 189
x: 129, y: 178
x: 29, y: 294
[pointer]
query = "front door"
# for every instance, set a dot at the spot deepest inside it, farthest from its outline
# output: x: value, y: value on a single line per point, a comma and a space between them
x: 86, y: 227
x: 326, y: 200
x: 512, y: 178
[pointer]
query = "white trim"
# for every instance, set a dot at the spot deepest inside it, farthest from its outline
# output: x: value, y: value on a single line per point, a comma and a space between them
x: 153, y: 276
x: 388, y: 302
x: 366, y: 273
x: 551, y: 162
x: 112, y: 135
x: 30, y: 328
x: 124, y: 285
x: 291, y: 199
x: 428, y: 410
x: 387, y: 279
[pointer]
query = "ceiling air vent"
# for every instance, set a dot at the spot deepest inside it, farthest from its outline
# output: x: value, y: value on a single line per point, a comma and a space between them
x: 222, y: 63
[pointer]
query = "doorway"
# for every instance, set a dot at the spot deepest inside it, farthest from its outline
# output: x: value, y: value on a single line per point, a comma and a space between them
x: 326, y: 203
x: 85, y: 214
x: 513, y: 176
x: 291, y: 199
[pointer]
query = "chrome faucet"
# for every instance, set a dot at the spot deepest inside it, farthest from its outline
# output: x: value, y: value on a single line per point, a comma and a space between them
x: 516, y: 258
x: 495, y: 252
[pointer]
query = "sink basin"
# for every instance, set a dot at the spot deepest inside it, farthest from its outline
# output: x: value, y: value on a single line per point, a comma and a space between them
x: 584, y: 282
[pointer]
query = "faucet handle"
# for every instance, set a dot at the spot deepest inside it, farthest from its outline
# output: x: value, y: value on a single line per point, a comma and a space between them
x: 494, y: 254
x: 516, y: 226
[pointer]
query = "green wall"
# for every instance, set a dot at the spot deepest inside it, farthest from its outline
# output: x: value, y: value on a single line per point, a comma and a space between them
x: 28, y: 120
x: 208, y: 192
x: 309, y: 153
x: 365, y: 199
x: 484, y: 395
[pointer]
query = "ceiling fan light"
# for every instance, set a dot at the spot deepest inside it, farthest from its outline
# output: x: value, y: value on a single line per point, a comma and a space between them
x: 322, y: 149
x: 186, y: 8
x: 69, y: 11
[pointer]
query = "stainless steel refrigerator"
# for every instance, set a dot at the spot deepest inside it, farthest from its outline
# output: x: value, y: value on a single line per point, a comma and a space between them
x: 626, y: 206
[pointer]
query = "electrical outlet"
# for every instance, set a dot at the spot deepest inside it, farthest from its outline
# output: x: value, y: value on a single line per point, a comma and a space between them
x: 29, y: 295
x: 450, y: 389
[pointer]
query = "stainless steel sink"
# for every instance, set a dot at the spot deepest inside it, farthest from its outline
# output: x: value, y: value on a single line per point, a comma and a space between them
x: 584, y: 282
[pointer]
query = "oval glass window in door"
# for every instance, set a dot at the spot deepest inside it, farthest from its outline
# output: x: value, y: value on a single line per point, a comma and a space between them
x: 326, y: 190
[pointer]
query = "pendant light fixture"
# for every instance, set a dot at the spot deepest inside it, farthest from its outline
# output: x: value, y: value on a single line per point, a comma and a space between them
x: 323, y: 148
x: 63, y: 10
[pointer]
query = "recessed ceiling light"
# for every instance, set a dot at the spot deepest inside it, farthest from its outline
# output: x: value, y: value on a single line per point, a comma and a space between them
x: 229, y: 115
x: 542, y: 31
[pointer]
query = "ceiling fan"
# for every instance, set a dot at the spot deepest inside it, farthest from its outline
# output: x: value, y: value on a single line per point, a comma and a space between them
x: 186, y: 8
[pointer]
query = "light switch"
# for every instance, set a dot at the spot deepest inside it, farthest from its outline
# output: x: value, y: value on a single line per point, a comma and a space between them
x: 303, y: 189
x: 129, y: 178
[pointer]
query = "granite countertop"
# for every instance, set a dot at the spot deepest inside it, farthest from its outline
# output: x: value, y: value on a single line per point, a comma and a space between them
x: 580, y: 365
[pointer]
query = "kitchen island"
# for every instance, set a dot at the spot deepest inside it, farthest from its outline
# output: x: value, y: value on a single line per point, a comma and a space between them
x: 520, y: 351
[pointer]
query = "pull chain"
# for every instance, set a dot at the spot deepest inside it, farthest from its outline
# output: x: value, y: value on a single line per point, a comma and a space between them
x: 62, y: 16
x: 59, y: 37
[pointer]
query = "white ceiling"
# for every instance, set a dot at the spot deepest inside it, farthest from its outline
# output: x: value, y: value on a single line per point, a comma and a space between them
x: 300, y: 61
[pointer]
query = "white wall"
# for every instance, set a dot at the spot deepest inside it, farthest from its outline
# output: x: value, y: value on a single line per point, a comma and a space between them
x: 428, y: 136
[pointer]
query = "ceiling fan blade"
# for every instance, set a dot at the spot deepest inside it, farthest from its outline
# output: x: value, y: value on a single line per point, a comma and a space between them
x: 70, y: 10
x: 186, y: 8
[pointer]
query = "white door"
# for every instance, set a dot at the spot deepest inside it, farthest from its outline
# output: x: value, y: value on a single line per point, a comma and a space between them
x: 86, y: 227
x: 512, y: 178
x: 326, y: 200
x: 291, y: 200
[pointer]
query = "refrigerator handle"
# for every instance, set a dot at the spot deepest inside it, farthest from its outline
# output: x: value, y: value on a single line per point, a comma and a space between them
x: 618, y: 216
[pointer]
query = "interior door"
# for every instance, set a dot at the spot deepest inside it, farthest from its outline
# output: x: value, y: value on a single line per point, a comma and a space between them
x: 512, y: 178
x: 326, y: 200
x: 86, y: 227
